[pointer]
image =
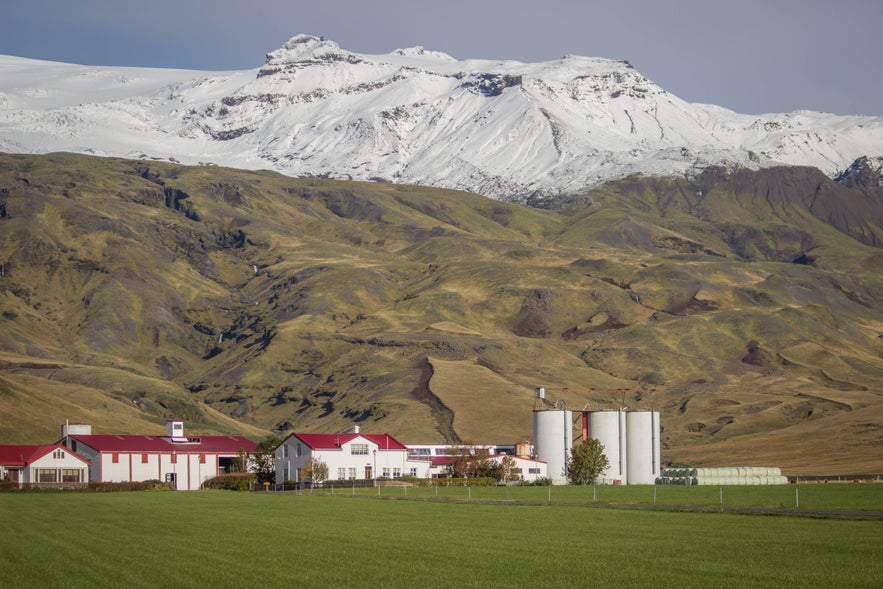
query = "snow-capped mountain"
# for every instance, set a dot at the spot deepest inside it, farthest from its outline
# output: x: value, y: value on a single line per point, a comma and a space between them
x: 505, y: 129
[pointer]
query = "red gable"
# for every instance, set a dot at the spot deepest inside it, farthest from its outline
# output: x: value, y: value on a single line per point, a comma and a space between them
x: 335, y: 441
x: 22, y: 455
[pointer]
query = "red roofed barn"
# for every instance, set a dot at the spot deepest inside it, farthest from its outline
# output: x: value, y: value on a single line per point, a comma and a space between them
x: 185, y: 462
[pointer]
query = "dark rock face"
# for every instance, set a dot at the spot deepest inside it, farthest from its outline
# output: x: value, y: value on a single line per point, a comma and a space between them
x: 491, y: 84
x: 531, y: 320
x: 852, y: 203
x: 866, y: 175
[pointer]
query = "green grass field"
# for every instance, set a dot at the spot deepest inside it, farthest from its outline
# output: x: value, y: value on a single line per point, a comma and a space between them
x: 226, y: 539
x: 867, y: 497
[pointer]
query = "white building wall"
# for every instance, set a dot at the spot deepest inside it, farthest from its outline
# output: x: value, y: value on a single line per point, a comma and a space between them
x: 115, y: 472
x: 94, y: 458
x: 526, y: 466
x: 189, y: 471
x: 53, y: 461
x: 292, y: 456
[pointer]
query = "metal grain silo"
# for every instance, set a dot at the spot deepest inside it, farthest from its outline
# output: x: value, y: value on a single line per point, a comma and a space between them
x: 553, y: 439
x: 609, y: 428
x: 642, y: 435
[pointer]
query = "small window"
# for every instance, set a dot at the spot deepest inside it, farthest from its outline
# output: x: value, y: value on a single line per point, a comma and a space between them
x: 47, y: 475
x: 396, y: 472
x: 360, y: 449
x: 352, y: 473
x: 71, y: 475
x: 413, y: 472
x: 341, y: 473
x: 284, y: 450
x: 115, y: 457
x: 144, y: 459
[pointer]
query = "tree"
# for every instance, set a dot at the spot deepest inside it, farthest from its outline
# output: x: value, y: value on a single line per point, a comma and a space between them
x: 262, y: 461
x: 470, y: 461
x: 508, y: 470
x: 315, y: 470
x: 586, y: 462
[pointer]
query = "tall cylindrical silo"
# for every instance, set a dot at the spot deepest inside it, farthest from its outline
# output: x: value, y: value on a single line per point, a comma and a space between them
x: 643, y: 447
x: 553, y: 438
x: 608, y: 427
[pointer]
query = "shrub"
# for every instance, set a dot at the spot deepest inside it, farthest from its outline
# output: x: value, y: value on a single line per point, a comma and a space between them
x: 153, y: 485
x: 233, y: 481
x: 463, y: 482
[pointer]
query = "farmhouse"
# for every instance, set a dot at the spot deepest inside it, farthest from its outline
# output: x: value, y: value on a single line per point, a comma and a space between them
x: 351, y: 456
x: 358, y: 456
x: 51, y: 464
x: 183, y: 461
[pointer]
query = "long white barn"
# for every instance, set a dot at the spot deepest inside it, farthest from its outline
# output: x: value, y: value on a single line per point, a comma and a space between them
x: 183, y: 461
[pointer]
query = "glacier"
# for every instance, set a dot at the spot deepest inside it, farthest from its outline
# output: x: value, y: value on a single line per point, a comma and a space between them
x: 505, y: 129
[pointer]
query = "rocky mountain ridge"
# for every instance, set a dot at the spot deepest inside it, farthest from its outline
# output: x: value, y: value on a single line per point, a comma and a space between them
x: 522, y: 132
x: 134, y: 291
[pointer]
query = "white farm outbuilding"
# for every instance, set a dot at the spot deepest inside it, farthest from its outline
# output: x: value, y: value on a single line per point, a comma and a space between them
x: 51, y: 465
x: 524, y: 468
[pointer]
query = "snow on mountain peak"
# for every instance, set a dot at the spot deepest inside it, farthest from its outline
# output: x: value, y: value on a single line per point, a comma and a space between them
x: 303, y: 50
x: 419, y: 51
x: 505, y: 129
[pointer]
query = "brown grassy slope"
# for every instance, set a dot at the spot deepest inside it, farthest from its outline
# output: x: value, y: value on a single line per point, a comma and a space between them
x: 252, y: 302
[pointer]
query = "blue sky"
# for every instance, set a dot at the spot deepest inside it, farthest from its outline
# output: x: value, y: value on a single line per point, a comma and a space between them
x: 753, y: 56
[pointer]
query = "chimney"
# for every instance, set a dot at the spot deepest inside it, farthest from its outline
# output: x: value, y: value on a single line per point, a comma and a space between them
x: 175, y: 430
x: 75, y: 429
x: 356, y: 429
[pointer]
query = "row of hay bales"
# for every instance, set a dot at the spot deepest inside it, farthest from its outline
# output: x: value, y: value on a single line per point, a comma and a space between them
x: 731, y: 475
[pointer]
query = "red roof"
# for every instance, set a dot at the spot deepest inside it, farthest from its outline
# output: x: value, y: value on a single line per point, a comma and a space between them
x: 450, y: 459
x: 335, y: 441
x: 442, y: 460
x: 22, y: 455
x: 196, y: 445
